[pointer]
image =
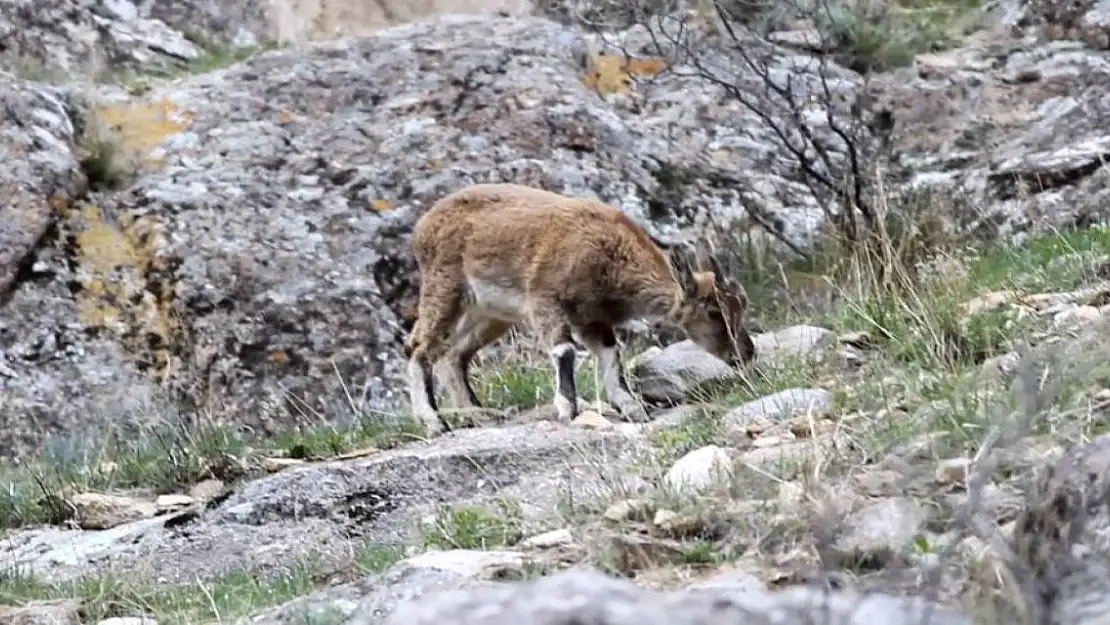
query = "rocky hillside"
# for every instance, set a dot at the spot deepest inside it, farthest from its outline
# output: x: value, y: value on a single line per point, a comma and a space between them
x: 205, y: 278
x: 881, y: 457
x: 232, y: 242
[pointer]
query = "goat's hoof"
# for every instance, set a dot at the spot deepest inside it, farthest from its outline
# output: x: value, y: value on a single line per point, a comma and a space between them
x: 433, y: 424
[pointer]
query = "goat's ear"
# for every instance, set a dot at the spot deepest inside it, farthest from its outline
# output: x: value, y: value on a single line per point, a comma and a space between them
x: 679, y: 256
x: 705, y: 260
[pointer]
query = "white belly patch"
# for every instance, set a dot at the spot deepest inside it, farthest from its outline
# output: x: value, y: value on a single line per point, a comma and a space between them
x: 491, y: 300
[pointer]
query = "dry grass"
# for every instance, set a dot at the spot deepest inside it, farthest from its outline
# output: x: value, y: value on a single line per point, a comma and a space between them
x: 921, y: 385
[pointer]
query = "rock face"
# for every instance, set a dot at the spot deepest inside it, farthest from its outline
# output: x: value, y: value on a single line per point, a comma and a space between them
x: 60, y: 38
x: 259, y: 262
x: 47, y: 364
x: 65, y: 37
x: 257, y: 269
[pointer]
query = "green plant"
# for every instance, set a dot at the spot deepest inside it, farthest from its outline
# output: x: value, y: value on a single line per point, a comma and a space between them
x: 476, y: 527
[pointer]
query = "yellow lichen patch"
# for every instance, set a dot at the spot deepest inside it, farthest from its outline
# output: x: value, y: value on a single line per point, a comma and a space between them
x: 123, y: 290
x: 379, y: 205
x: 612, y: 73
x: 141, y: 127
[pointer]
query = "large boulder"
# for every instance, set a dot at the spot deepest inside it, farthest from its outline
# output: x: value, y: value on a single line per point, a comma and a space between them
x: 54, y: 375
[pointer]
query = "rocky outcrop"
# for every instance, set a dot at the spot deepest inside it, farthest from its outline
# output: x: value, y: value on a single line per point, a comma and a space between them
x: 69, y: 39
x: 256, y: 268
x: 1027, y: 153
x: 1085, y: 20
x: 325, y: 512
x: 53, y: 375
x: 259, y: 261
x: 66, y: 38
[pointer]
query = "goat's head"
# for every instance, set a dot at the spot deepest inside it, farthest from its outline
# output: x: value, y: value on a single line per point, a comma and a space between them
x: 712, y: 305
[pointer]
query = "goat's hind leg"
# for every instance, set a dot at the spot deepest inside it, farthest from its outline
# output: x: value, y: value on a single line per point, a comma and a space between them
x: 473, y: 335
x: 439, y: 308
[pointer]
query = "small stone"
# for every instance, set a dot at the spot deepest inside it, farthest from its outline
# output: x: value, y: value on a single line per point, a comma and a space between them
x: 663, y: 515
x: 1079, y: 314
x: 700, y: 469
x: 794, y: 403
x: 793, y: 455
x: 881, y: 531
x: 173, y: 502
x: 628, y: 509
x: 129, y: 620
x: 592, y: 421
x: 274, y: 465
x: 98, y: 511
x: 773, y: 440
x: 953, y: 470
x: 470, y: 563
x: 796, y: 342
x: 549, y: 540
x: 732, y: 580
x: 677, y: 370
x: 207, y: 490
x: 637, y: 553
x: 988, y: 302
x: 808, y: 427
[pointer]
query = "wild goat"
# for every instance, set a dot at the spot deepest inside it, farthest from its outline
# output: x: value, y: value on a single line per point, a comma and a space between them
x: 492, y: 256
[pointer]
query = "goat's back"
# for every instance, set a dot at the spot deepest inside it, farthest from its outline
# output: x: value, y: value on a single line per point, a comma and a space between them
x: 517, y: 226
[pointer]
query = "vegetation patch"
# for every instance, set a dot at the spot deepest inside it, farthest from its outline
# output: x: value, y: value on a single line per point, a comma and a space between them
x: 231, y: 596
x: 475, y: 527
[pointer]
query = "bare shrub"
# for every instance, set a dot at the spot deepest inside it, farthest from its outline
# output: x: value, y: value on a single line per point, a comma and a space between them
x: 803, y: 69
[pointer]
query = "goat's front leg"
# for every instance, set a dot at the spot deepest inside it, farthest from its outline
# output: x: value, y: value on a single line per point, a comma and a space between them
x: 556, y: 333
x: 602, y: 343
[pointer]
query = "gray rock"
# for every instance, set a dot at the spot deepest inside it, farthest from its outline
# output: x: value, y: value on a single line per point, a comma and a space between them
x: 54, y: 377
x: 129, y: 620
x: 882, y: 531
x: 796, y: 342
x: 671, y: 373
x: 732, y: 581
x: 327, y: 511
x: 1087, y: 20
x: 589, y: 597
x: 70, y: 38
x: 369, y: 599
x: 699, y: 470
x: 1061, y: 537
x: 60, y: 612
x: 1055, y: 82
x: 780, y: 407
